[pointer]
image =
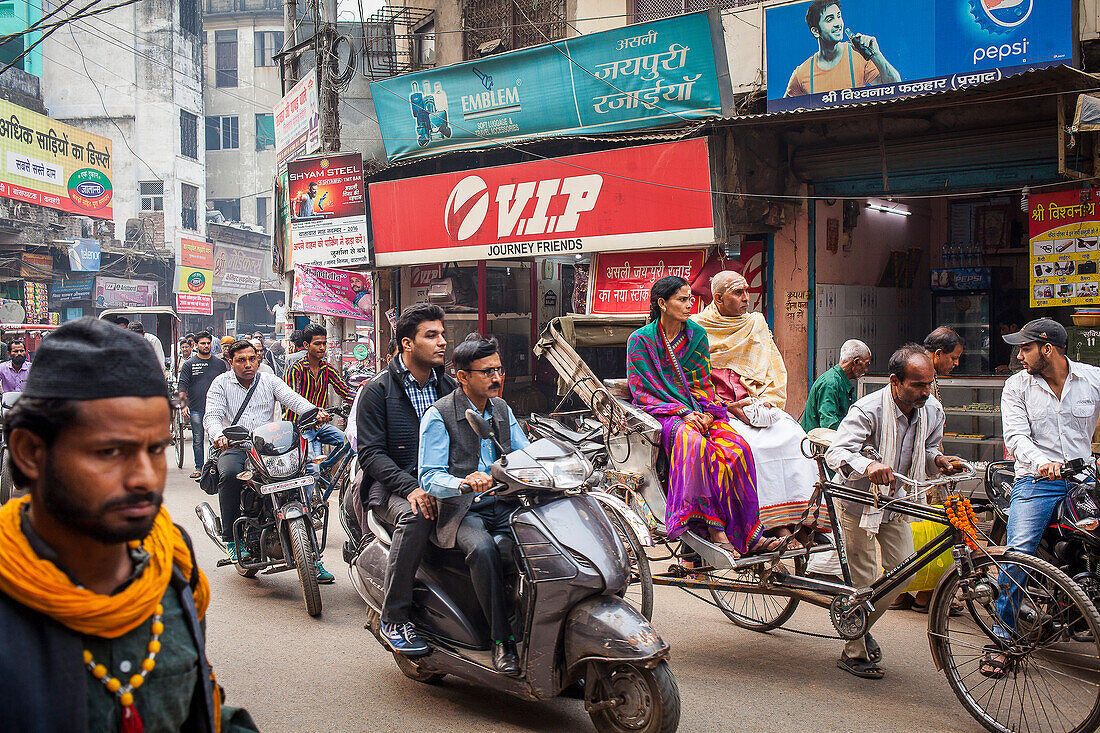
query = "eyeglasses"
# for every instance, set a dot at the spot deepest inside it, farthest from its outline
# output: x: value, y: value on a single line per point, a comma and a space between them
x: 490, y: 372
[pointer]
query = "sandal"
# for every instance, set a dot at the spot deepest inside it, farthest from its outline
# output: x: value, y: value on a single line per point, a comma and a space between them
x: 727, y: 547
x: 874, y: 651
x: 195, y: 474
x: 861, y: 668
x: 994, y: 663
x: 904, y: 602
x: 765, y: 544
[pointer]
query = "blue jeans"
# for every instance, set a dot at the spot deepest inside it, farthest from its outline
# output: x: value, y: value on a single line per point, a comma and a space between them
x: 198, y: 440
x: 327, y: 435
x: 1033, y: 504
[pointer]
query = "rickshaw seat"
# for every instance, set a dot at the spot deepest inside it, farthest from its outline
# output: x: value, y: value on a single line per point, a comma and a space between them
x: 618, y: 388
x: 821, y: 437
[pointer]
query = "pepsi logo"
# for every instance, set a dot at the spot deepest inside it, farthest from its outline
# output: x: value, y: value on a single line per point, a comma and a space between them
x: 91, y: 189
x: 467, y: 207
x: 1007, y: 13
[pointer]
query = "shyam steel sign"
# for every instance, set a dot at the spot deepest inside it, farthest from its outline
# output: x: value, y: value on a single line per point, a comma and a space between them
x: 608, y: 200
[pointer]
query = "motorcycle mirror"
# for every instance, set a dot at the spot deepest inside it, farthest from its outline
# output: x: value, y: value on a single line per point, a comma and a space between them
x: 483, y: 429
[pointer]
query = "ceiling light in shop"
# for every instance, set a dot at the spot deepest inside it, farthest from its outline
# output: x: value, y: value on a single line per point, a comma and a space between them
x: 889, y: 210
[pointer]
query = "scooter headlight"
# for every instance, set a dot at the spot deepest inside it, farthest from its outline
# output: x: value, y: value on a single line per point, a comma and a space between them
x: 569, y: 471
x: 532, y: 476
x: 282, y: 466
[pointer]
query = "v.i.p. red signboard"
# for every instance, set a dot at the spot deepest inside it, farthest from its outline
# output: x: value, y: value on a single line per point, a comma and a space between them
x: 631, y: 198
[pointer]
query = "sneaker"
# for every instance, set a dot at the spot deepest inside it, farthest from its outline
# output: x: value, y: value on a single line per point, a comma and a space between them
x: 323, y: 576
x: 403, y: 639
x: 231, y: 550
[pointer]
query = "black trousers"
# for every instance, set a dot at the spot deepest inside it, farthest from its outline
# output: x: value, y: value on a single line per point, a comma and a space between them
x: 410, y: 540
x: 230, y: 463
x: 484, y: 537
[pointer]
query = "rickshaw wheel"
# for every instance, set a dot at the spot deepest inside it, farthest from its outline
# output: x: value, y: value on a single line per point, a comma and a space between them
x: 754, y: 611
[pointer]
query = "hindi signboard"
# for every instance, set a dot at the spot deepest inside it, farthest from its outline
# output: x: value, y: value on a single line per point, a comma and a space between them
x: 113, y: 292
x: 624, y: 199
x: 298, y: 121
x: 328, y: 217
x: 52, y: 164
x: 819, y: 55
x: 1065, y: 256
x: 331, y: 292
x: 621, y: 280
x: 637, y: 76
x: 194, y: 292
x: 237, y: 270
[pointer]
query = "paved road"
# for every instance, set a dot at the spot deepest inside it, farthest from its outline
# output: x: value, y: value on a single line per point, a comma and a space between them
x: 295, y: 673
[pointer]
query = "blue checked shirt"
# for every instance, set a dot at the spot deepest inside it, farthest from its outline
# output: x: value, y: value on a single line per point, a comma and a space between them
x: 422, y: 397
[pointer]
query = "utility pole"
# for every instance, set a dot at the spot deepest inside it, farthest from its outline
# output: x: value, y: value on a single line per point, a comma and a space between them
x: 328, y: 98
x: 290, y: 64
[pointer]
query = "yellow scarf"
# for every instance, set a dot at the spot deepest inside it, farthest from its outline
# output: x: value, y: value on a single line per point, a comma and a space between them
x: 743, y: 344
x: 42, y: 586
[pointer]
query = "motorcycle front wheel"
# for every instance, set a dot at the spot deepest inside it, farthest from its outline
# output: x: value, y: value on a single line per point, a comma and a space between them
x: 301, y: 547
x: 628, y: 696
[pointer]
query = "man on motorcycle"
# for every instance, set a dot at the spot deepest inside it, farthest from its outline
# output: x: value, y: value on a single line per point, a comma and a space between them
x: 1048, y: 414
x: 311, y: 377
x: 387, y: 418
x: 452, y: 454
x: 227, y: 393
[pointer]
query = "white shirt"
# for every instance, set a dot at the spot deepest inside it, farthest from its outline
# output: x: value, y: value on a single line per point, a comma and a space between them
x: 1040, y: 428
x: 157, y: 347
x: 227, y: 393
x: 279, y: 311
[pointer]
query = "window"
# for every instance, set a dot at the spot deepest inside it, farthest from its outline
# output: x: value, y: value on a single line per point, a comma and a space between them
x: 261, y: 211
x: 268, y: 43
x: 519, y: 24
x: 189, y: 16
x: 189, y: 135
x: 424, y: 39
x: 189, y: 206
x: 229, y: 208
x: 222, y: 133
x: 265, y: 131
x: 152, y: 195
x: 225, y: 58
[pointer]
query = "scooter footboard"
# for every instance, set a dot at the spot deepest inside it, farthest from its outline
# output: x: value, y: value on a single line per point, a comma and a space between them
x: 607, y: 628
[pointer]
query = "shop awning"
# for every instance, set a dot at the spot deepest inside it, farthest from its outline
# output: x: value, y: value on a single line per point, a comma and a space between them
x: 1051, y: 79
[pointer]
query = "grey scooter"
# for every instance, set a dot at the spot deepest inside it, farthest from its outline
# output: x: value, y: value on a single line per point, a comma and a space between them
x: 569, y: 620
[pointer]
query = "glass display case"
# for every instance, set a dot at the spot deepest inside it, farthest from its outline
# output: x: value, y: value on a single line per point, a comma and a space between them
x: 972, y: 410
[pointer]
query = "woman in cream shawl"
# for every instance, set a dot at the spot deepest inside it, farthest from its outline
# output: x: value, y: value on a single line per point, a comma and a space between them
x: 749, y: 377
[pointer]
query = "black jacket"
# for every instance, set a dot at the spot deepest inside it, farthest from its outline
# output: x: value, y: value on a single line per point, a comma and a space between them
x: 46, y: 679
x: 389, y: 433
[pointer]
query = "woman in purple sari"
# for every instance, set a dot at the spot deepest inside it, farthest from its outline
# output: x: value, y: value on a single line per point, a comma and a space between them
x: 712, y: 480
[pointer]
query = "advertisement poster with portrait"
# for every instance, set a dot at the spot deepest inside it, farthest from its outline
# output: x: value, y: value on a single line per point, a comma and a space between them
x: 328, y: 292
x: 328, y: 220
x: 826, y: 54
x: 1064, y: 232
x: 114, y: 292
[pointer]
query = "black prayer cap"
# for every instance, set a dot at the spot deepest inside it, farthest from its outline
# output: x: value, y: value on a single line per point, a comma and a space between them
x: 93, y: 359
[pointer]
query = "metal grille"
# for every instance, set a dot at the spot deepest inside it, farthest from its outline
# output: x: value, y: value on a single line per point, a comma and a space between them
x: 518, y: 23
x: 390, y: 40
x: 647, y: 10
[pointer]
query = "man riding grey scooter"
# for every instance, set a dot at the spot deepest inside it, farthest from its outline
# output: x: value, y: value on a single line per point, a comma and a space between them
x: 452, y: 454
x: 387, y: 418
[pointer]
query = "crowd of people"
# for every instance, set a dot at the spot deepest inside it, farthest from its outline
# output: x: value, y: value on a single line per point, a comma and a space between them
x: 92, y: 567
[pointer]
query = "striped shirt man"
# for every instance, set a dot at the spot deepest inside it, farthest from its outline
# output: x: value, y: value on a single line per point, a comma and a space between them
x: 314, y: 387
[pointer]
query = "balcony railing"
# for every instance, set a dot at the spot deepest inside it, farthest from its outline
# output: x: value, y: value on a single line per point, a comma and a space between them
x: 216, y: 7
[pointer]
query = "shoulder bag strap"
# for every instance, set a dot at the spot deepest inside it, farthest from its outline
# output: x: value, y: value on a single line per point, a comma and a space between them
x: 247, y: 398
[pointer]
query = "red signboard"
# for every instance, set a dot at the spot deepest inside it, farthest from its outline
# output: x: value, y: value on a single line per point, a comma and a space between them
x: 621, y: 280
x: 631, y: 198
x: 202, y: 305
x: 196, y: 253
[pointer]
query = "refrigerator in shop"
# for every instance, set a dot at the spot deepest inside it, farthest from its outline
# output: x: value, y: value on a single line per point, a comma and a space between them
x: 965, y: 299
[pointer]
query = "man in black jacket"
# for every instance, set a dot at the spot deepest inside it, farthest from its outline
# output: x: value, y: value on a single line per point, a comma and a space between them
x: 388, y: 426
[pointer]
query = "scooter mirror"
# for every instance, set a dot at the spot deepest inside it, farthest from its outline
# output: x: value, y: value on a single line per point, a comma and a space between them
x: 483, y: 429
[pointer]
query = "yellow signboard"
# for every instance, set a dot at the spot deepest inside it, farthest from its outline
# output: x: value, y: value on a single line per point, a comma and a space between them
x: 52, y: 164
x: 195, y: 281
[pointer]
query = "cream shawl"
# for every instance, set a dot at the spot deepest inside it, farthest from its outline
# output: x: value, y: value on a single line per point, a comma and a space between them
x: 744, y: 345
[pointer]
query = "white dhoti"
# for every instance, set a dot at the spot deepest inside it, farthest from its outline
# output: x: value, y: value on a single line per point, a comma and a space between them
x: 784, y: 477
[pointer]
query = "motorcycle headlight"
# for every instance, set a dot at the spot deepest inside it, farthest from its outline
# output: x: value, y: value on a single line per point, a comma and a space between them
x: 532, y: 476
x: 569, y: 472
x: 282, y: 466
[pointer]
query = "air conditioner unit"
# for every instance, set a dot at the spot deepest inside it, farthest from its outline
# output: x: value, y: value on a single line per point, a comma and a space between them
x: 442, y: 291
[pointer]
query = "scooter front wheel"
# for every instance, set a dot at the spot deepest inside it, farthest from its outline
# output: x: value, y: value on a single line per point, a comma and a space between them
x: 624, y: 697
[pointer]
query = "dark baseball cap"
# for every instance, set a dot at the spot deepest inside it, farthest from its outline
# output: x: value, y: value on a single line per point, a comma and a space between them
x: 1041, y: 330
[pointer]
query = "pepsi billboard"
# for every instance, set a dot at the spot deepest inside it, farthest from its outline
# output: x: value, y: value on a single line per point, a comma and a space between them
x: 828, y: 53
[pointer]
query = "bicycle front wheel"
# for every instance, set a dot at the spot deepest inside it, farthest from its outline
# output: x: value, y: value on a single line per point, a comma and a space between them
x: 1050, y: 645
x: 177, y: 435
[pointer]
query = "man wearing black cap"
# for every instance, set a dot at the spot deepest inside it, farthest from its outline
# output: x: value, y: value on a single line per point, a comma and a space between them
x: 101, y: 600
x: 1048, y: 413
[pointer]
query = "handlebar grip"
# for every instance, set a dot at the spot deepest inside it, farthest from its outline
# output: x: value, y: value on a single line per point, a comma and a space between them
x: 465, y: 488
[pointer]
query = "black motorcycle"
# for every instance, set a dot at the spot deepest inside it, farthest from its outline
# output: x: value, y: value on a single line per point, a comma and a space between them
x: 277, y: 529
x: 1071, y: 541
